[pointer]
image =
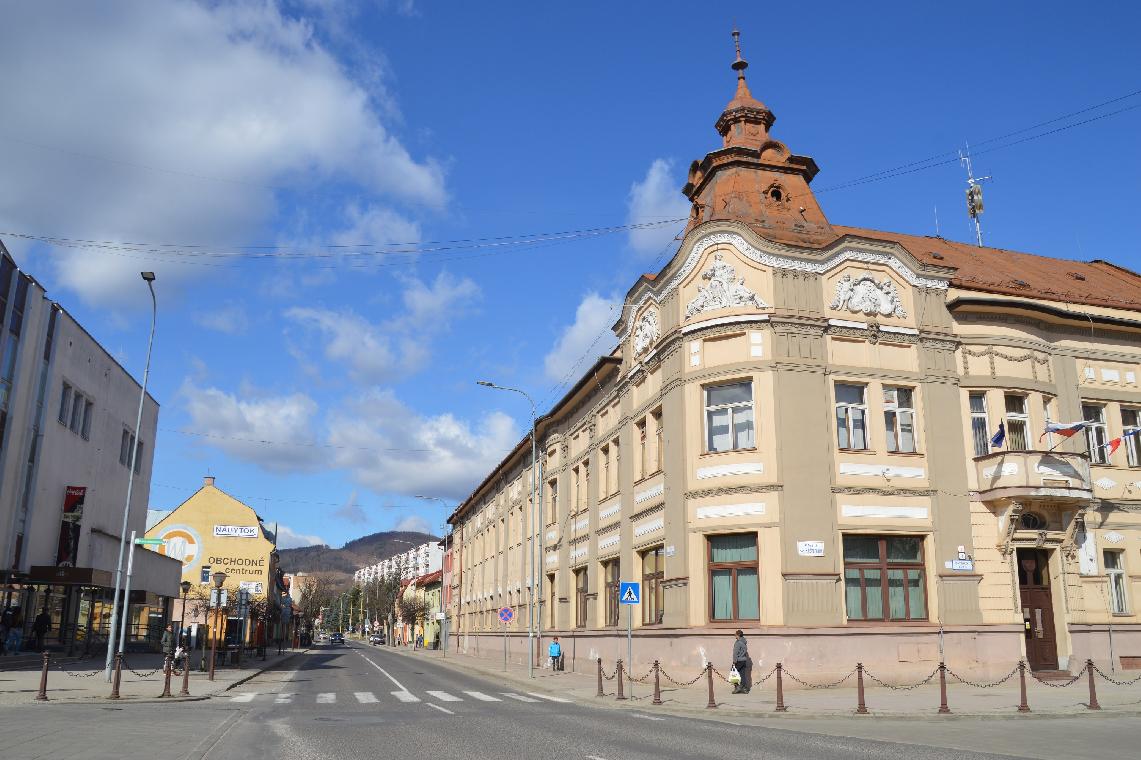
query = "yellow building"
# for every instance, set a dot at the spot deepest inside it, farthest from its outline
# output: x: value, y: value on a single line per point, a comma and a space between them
x: 210, y: 532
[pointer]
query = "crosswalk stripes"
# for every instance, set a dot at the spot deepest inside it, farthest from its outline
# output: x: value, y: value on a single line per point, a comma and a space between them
x: 482, y: 697
x: 547, y: 697
x: 326, y: 698
x: 406, y: 696
x: 248, y: 697
x: 283, y: 698
x: 366, y: 697
x: 444, y: 696
x: 401, y: 695
x: 519, y: 697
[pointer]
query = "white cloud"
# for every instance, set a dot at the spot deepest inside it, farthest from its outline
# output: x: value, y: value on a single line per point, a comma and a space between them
x: 176, y: 121
x: 414, y: 523
x: 230, y: 318
x: 657, y: 197
x: 351, y: 511
x: 354, y: 341
x: 290, y: 539
x: 273, y: 432
x: 389, y: 448
x: 587, y: 338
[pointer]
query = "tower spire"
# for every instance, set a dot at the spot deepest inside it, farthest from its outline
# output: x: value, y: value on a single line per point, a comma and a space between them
x: 744, y: 109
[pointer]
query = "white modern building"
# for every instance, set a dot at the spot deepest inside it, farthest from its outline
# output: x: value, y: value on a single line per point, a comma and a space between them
x: 417, y: 561
x: 67, y: 419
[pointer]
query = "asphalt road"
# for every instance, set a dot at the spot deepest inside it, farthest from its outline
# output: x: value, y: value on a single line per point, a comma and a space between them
x: 355, y: 702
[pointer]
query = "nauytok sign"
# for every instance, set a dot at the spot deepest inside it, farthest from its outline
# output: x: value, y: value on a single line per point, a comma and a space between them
x: 236, y: 531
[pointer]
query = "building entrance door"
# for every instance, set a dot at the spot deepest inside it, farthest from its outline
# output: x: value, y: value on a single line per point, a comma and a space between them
x: 1037, y: 608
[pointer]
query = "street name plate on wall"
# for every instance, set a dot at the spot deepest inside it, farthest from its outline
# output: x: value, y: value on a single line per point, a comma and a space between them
x: 236, y: 531
x: 810, y: 548
x: 961, y: 564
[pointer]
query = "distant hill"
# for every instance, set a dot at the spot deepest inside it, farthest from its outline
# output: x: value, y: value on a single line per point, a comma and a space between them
x: 341, y: 563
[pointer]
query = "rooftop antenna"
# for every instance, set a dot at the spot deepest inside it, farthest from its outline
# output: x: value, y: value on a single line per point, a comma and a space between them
x: 974, y: 194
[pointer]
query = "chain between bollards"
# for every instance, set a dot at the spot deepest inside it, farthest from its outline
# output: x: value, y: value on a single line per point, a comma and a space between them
x: 166, y: 666
x: 712, y: 703
x: 42, y: 695
x: 185, y: 692
x: 621, y: 678
x: 1093, y: 705
x: 861, y: 708
x: 116, y: 676
x: 657, y: 685
x: 780, y: 690
x: 599, y: 694
x: 1022, y: 706
x: 943, y: 709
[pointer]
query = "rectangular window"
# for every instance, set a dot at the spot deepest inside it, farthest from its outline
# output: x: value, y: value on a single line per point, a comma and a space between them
x: 1095, y: 433
x: 734, y: 590
x: 884, y: 578
x: 604, y: 481
x: 729, y: 417
x: 553, y: 501
x: 551, y: 601
x: 851, y: 417
x: 76, y: 412
x: 1017, y: 422
x: 204, y: 577
x: 576, y: 480
x: 613, y: 583
x: 85, y: 430
x: 585, y: 484
x: 138, y: 457
x: 1115, y: 572
x: 64, y: 404
x: 125, y: 448
x: 580, y: 591
x: 659, y: 439
x: 1130, y: 422
x: 643, y: 462
x: 653, y: 595
x: 980, y: 426
x: 899, y: 419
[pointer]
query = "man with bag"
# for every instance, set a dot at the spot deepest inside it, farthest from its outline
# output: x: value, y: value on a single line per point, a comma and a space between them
x: 742, y: 664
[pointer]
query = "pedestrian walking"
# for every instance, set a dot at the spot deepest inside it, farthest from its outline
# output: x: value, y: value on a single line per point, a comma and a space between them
x: 40, y: 627
x: 555, y: 652
x: 15, y: 634
x: 167, y: 643
x: 742, y: 663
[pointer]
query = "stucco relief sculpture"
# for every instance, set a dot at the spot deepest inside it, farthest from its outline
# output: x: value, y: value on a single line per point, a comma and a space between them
x: 646, y: 332
x: 864, y: 295
x: 724, y: 291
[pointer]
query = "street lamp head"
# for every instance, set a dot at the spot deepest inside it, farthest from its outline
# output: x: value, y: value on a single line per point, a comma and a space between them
x: 185, y: 587
x: 148, y: 276
x: 219, y: 579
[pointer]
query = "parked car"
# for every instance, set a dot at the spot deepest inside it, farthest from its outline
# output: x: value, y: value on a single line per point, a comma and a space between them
x: 337, y: 638
x: 376, y: 638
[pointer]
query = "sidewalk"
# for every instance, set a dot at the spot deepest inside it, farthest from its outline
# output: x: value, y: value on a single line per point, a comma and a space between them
x: 1001, y: 701
x: 83, y: 680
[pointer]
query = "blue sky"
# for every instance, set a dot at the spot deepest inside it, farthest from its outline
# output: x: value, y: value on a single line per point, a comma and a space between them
x: 326, y: 384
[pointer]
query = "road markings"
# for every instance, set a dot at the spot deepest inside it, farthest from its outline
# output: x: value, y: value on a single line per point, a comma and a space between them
x: 406, y: 696
x: 594, y: 757
x: 244, y: 697
x: 327, y: 698
x: 444, y: 696
x: 366, y: 697
x: 441, y: 709
x: 382, y: 670
x: 647, y: 717
x: 547, y: 697
x: 519, y: 697
x: 482, y: 697
x: 284, y: 698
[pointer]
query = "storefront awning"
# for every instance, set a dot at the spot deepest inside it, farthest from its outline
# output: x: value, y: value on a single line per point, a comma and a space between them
x: 68, y: 576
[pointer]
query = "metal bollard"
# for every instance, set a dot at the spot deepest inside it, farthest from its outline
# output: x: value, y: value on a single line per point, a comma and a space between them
x: 1093, y: 705
x: 943, y: 709
x: 657, y: 685
x: 42, y: 695
x: 116, y: 676
x: 185, y: 692
x: 712, y: 703
x: 599, y: 694
x: 166, y: 665
x: 621, y: 678
x: 861, y: 708
x: 780, y: 691
x: 1022, y: 706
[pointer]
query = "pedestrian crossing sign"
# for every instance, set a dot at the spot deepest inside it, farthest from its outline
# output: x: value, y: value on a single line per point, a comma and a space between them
x: 630, y: 593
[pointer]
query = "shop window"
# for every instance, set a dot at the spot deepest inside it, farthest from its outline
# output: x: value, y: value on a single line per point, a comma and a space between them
x: 580, y: 597
x: 734, y: 590
x: 653, y: 595
x: 613, y: 582
x: 884, y: 578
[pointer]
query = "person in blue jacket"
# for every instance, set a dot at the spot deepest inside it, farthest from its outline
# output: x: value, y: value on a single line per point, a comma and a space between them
x: 555, y: 652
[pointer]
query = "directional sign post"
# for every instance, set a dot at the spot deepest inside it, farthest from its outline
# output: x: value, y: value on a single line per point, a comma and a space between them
x: 506, y: 615
x: 630, y: 594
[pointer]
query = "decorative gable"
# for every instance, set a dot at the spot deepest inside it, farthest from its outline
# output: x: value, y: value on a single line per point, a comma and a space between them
x: 724, y: 290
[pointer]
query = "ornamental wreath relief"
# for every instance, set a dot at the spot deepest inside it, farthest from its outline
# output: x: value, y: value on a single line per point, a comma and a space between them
x: 725, y: 290
x: 646, y: 332
x: 865, y: 296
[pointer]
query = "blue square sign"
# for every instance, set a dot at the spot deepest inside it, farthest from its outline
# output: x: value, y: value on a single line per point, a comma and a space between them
x: 630, y: 593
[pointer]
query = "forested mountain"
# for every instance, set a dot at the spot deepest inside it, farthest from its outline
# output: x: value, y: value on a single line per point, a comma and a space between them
x: 340, y: 564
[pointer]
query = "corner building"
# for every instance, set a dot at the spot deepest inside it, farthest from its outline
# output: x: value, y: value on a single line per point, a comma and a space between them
x: 793, y: 437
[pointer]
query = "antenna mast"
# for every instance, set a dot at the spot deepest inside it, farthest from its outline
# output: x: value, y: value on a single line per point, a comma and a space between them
x: 974, y: 194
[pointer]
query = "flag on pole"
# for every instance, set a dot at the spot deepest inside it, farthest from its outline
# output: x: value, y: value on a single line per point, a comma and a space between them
x: 1064, y: 429
x: 999, y: 438
x: 1115, y: 444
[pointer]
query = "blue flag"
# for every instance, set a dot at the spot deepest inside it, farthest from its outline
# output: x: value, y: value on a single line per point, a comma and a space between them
x: 999, y: 438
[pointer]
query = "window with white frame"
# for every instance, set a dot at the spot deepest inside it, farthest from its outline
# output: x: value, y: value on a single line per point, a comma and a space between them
x: 851, y: 416
x: 1130, y: 423
x: 1017, y: 422
x: 899, y: 419
x: 65, y: 404
x: 980, y: 426
x: 77, y: 401
x: 729, y: 417
x: 1115, y: 572
x: 1096, y: 436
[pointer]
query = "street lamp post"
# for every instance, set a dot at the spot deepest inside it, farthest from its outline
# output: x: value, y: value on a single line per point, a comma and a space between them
x: 535, y: 530
x: 219, y: 579
x: 149, y: 278
x: 185, y: 586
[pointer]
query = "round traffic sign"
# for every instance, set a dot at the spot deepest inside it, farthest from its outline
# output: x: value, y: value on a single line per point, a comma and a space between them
x: 506, y: 614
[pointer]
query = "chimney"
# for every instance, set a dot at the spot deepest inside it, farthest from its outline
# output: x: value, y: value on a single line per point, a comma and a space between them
x: 208, y: 480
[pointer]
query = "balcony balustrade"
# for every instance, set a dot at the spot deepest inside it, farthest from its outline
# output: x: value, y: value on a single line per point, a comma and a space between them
x: 1028, y: 475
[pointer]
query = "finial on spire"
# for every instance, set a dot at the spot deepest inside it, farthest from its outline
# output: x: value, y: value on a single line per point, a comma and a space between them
x: 740, y: 64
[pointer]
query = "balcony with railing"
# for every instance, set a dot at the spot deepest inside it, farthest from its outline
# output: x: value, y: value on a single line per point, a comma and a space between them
x: 1027, y: 475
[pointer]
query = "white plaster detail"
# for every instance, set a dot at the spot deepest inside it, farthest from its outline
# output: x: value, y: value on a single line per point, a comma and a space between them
x: 861, y: 510
x: 848, y: 323
x: 731, y: 320
x: 880, y: 470
x: 1105, y: 483
x: 723, y: 470
x: 610, y: 511
x: 1131, y: 378
x: 1088, y: 372
x: 724, y: 291
x: 1007, y: 468
x: 552, y: 559
x: 1113, y: 537
x: 863, y: 295
x: 646, y: 332
x: 750, y: 509
x: 649, y: 493
x: 1110, y: 376
x: 898, y: 330
x: 577, y: 554
x: 756, y: 344
x: 695, y: 353
x: 552, y: 535
x: 609, y: 542
x: 647, y: 528
x: 1087, y: 553
x: 582, y: 524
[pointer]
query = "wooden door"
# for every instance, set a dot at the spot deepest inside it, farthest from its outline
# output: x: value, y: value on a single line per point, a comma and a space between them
x: 1037, y: 609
